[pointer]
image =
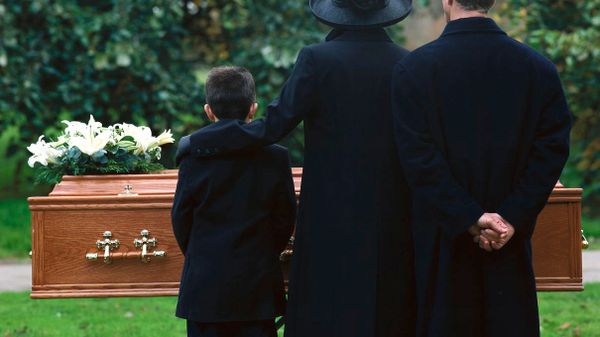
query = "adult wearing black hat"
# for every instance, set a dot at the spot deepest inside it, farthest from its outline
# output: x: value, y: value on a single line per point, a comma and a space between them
x: 352, y: 271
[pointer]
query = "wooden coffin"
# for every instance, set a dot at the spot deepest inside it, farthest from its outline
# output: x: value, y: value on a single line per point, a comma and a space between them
x: 74, y: 256
x: 68, y: 242
x: 557, y: 242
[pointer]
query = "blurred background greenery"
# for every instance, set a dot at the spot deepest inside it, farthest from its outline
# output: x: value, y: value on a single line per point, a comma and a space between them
x: 144, y: 61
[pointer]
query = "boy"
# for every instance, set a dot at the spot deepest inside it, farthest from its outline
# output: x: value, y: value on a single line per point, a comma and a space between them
x: 232, y: 216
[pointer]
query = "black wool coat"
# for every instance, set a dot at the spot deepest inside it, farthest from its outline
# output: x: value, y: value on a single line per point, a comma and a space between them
x: 232, y: 216
x: 482, y: 125
x: 352, y: 270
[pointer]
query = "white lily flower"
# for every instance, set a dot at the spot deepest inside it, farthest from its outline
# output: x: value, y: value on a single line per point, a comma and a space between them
x: 75, y: 128
x: 91, y: 143
x: 142, y: 136
x: 165, y: 138
x: 80, y: 129
x: 62, y: 140
x: 43, y: 153
x: 144, y: 140
x: 88, y: 138
x: 92, y: 138
x: 123, y: 130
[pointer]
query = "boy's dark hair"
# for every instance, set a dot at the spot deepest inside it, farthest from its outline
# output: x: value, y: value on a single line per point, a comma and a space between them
x: 477, y: 5
x: 230, y: 91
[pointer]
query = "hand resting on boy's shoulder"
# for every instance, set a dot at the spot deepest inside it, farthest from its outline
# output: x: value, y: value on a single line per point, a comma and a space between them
x: 182, y: 149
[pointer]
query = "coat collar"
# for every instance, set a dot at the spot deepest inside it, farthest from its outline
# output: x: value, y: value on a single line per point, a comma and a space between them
x: 472, y: 25
x: 375, y: 34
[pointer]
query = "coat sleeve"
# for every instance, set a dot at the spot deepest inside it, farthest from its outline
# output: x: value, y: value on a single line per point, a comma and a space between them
x: 183, y: 149
x: 427, y: 171
x: 182, y: 211
x: 547, y: 157
x: 284, y: 213
x: 282, y: 116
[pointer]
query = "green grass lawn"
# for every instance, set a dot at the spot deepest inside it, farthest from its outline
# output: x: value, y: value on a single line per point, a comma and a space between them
x: 127, y: 317
x: 562, y: 315
x: 115, y: 317
x: 591, y: 229
x: 571, y: 314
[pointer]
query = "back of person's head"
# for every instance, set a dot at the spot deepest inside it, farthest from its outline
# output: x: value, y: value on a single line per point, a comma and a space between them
x: 482, y: 6
x: 230, y: 92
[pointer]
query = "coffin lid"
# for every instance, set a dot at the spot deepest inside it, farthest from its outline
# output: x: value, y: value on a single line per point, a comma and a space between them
x: 162, y: 183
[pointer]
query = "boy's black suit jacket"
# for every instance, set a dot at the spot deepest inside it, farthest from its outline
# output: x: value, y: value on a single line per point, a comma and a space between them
x: 352, y: 269
x: 232, y: 216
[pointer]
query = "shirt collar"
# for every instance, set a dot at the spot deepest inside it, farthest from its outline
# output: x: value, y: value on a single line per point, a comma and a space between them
x: 375, y: 34
x: 472, y: 25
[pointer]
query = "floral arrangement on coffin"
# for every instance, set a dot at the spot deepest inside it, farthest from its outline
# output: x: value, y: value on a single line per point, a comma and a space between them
x: 93, y: 149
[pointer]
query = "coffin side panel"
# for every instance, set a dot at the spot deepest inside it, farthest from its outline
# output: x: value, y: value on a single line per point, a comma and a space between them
x: 557, y: 243
x: 63, y: 234
x: 65, y: 228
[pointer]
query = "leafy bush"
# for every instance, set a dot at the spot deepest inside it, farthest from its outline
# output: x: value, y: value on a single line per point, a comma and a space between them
x: 15, y: 228
x: 264, y: 36
x: 568, y: 32
x: 120, y: 60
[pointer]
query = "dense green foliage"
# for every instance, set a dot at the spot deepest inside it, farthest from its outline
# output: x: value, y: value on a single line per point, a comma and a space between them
x: 120, y: 60
x: 568, y: 32
x: 144, y: 62
x: 141, y: 62
x: 562, y: 314
x: 264, y: 36
x: 15, y: 228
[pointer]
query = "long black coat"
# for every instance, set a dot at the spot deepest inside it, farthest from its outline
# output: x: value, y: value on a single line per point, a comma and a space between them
x: 352, y: 273
x: 232, y: 216
x: 482, y: 125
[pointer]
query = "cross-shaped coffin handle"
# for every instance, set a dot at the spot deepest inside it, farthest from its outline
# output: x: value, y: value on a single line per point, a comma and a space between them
x: 107, y: 245
x: 144, y: 243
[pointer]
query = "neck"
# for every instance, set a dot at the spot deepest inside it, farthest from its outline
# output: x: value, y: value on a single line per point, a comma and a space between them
x: 459, y: 13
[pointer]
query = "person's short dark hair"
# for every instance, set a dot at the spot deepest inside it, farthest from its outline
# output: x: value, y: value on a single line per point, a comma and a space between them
x: 477, y: 5
x: 230, y: 92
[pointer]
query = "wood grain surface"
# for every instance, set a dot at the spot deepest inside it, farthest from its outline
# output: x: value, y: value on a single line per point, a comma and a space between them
x: 66, y: 225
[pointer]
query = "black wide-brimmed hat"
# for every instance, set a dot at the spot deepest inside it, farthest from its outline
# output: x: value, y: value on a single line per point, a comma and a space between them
x: 360, y: 14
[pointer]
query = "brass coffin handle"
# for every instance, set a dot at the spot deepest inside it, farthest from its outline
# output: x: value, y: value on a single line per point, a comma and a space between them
x: 286, y: 255
x: 585, y: 244
x: 107, y: 246
x: 145, y: 242
x: 123, y: 256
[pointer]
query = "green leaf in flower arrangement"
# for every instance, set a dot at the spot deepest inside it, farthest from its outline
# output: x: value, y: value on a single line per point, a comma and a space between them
x: 120, y: 154
x: 127, y: 139
x: 100, y: 157
x: 112, y: 149
x: 82, y: 160
x: 73, y: 153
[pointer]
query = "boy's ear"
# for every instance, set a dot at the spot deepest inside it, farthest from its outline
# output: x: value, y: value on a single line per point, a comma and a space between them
x: 209, y: 113
x: 252, y: 112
